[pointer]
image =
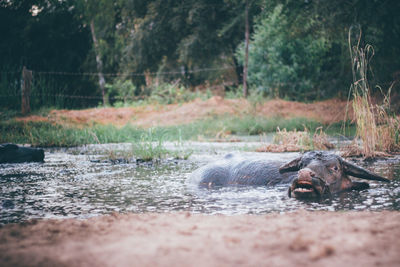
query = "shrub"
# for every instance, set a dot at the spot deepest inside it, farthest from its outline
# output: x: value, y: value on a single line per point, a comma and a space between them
x: 121, y: 91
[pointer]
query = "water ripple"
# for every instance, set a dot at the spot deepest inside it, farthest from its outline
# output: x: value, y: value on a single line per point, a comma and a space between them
x: 72, y: 185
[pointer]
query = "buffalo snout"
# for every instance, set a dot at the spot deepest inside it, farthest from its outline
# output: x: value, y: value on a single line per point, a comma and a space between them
x: 306, y: 174
x: 308, y: 185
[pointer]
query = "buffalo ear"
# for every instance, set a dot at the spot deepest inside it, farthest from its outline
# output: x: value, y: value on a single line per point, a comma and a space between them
x: 353, y: 170
x: 292, y: 166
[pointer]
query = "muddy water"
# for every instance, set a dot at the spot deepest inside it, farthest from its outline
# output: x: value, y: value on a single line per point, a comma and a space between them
x: 78, y: 183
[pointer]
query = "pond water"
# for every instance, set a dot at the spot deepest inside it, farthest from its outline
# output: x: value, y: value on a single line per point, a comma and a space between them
x: 77, y: 183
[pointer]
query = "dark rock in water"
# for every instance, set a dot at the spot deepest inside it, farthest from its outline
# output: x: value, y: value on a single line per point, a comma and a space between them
x: 120, y: 161
x: 139, y: 160
x: 11, y: 153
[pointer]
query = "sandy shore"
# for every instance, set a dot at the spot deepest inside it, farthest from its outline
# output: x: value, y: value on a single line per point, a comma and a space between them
x: 180, y: 239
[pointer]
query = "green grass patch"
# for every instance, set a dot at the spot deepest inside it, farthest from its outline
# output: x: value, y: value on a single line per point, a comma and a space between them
x: 46, y: 134
x: 151, y: 147
x: 251, y: 125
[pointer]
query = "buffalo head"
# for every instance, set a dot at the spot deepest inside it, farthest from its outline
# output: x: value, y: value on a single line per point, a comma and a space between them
x: 321, y: 174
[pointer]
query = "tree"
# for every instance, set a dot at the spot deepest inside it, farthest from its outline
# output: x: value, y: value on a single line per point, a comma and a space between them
x: 284, y: 61
x: 187, y: 35
x: 299, y: 50
x: 103, y: 17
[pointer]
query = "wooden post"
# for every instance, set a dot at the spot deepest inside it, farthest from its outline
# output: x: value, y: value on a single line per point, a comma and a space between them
x: 246, y: 56
x: 26, y: 91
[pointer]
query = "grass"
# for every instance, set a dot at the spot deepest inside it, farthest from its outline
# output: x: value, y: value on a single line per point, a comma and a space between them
x: 245, y: 125
x: 150, y: 147
x: 291, y: 141
x: 376, y: 127
x: 147, y: 144
x: 147, y: 149
x: 46, y: 134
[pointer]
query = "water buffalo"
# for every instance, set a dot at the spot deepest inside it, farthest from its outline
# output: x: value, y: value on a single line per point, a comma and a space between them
x: 10, y: 153
x: 314, y: 174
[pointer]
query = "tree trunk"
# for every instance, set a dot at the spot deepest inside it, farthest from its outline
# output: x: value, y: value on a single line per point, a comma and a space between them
x: 246, y: 57
x: 102, y: 81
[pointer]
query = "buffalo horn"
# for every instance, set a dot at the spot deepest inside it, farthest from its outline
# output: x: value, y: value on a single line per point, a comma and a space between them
x: 359, y: 172
x: 292, y: 166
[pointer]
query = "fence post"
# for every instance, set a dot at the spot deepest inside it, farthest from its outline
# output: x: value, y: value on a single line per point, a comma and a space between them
x: 26, y: 91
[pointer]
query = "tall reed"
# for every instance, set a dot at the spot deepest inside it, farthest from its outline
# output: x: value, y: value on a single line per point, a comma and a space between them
x: 376, y: 127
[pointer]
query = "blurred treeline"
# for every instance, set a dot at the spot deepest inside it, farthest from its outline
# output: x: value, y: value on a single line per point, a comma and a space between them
x: 298, y: 48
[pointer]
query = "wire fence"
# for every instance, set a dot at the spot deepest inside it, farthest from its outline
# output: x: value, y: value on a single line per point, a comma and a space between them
x: 125, y: 74
x: 62, y: 89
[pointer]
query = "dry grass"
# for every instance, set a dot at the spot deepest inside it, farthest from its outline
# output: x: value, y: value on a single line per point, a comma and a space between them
x: 377, y: 129
x: 294, y: 141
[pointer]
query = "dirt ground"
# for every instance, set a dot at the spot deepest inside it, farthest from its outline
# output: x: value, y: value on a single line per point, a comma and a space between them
x: 302, y: 238
x: 175, y: 114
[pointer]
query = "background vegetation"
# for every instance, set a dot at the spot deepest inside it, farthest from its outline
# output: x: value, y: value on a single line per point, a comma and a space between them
x: 298, y: 49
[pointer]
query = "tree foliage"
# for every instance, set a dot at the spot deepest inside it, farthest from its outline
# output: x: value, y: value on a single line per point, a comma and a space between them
x: 298, y: 49
x: 48, y: 37
x: 53, y: 39
x: 185, y: 35
x: 286, y: 60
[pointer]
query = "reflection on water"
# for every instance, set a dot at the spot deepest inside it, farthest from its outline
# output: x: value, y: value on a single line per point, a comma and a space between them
x: 74, y: 185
